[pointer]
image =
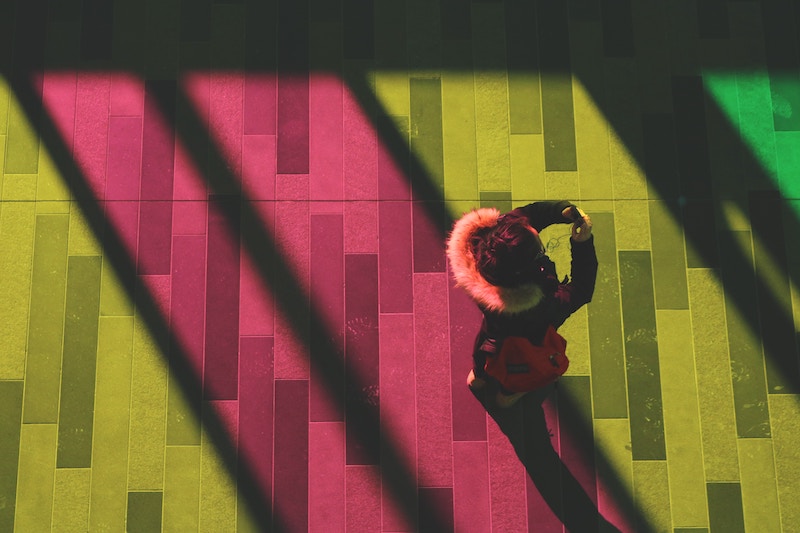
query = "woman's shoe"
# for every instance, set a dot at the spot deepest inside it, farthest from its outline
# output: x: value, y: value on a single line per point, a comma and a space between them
x: 507, y: 400
x: 474, y: 382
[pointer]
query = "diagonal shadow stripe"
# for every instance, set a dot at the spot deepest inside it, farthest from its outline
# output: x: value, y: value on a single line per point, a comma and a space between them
x: 175, y: 354
x: 277, y: 277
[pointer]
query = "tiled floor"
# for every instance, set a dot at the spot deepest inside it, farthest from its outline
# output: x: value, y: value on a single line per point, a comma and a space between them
x: 225, y: 302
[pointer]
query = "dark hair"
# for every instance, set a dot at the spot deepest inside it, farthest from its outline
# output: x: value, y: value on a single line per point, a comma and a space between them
x: 506, y: 253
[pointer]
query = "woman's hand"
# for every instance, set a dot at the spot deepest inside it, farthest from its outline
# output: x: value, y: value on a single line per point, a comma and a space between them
x: 581, y: 227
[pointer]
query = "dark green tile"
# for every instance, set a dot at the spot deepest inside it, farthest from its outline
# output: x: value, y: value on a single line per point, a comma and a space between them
x: 652, y: 56
x: 129, y: 38
x: 10, y: 420
x: 682, y: 36
x: 622, y: 107
x: 426, y: 127
x: 669, y: 258
x: 641, y: 352
x: 488, y: 36
x: 424, y: 33
x: 228, y: 36
x: 390, y: 36
x: 691, y: 139
x: 605, y: 326
x: 97, y: 29
x: 144, y: 512
x: 162, y: 38
x: 46, y: 319
x: 617, y: 28
x: 261, y: 34
x: 747, y: 359
x: 358, y: 29
x: 785, y: 94
x: 500, y: 200
x: 22, y: 143
x: 658, y: 136
x: 586, y: 43
x: 522, y: 50
x: 75, y: 417
x: 725, y: 507
x: 699, y: 227
x: 584, y: 10
x: 712, y: 19
x: 196, y: 20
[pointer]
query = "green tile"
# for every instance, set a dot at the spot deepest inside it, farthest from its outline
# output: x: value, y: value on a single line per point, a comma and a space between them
x: 75, y: 422
x: 759, y: 486
x: 111, y: 419
x: 614, y: 462
x: 71, y: 499
x: 641, y: 353
x: 558, y: 122
x: 22, y: 143
x: 10, y: 420
x: 651, y: 494
x: 786, y: 143
x: 755, y: 117
x: 426, y: 127
x: 499, y: 200
x: 746, y: 355
x: 669, y: 257
x: 785, y: 96
x: 37, y: 464
x: 46, y: 319
x: 182, y: 488
x: 690, y: 530
x: 681, y: 419
x: 593, y: 150
x: 785, y: 416
x: 605, y: 326
x: 17, y: 229
x: 712, y: 365
x: 725, y: 507
x: 144, y: 512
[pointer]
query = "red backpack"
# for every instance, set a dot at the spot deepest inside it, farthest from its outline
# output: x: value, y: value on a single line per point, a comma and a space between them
x: 522, y: 367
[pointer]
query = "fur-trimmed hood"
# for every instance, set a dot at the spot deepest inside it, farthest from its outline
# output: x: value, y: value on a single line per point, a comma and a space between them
x: 465, y: 271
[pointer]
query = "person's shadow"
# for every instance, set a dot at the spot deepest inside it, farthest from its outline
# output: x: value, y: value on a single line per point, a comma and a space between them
x: 526, y: 428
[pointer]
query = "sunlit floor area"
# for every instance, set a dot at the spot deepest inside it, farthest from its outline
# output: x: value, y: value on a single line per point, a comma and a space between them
x: 224, y: 298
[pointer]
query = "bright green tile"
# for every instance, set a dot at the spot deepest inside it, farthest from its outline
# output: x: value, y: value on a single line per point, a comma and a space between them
x: 75, y: 422
x: 148, y: 412
x: 785, y: 96
x: 46, y: 319
x: 71, y: 499
x: 37, y: 464
x: 217, y: 489
x: 725, y: 507
x: 10, y: 419
x: 22, y: 143
x: 651, y: 494
x: 785, y: 416
x: 17, y: 223
x: 641, y: 355
x: 786, y: 143
x: 182, y: 489
x: 681, y: 419
x: 144, y: 512
x: 459, y: 136
x: 759, y: 488
x: 111, y: 420
x: 605, y: 326
x: 755, y: 117
x: 669, y: 256
x: 527, y: 168
x: 426, y: 127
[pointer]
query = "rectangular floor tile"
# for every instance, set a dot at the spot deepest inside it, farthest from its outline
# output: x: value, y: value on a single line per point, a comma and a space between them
x: 218, y: 495
x: 669, y: 257
x: 426, y: 128
x: 91, y: 129
x: 181, y: 498
x: 292, y: 129
x: 10, y: 435
x: 362, y: 498
x: 651, y: 494
x: 759, y: 485
x: 290, y: 476
x: 428, y: 219
x: 725, y: 507
x: 71, y: 498
x: 785, y: 417
x: 395, y: 252
x: 326, y: 474
x: 471, y: 486
x: 144, y: 511
x: 37, y: 463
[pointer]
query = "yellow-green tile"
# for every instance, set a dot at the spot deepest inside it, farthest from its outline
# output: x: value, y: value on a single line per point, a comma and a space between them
x: 37, y: 465
x: 111, y: 420
x: 629, y: 181
x: 561, y: 185
x: 392, y: 90
x: 785, y: 415
x: 19, y: 187
x: 4, y: 100
x: 2, y: 157
x: 458, y: 130
x: 22, y: 143
x: 681, y: 419
x: 144, y: 511
x: 183, y: 427
x: 725, y: 507
x: 492, y: 131
x: 17, y: 228
x: 651, y: 493
x: 182, y: 489
x: 114, y: 300
x: 592, y: 148
x: 52, y: 192
x: 10, y: 419
x: 82, y: 240
x: 576, y: 329
x: 759, y: 488
x: 527, y: 168
x: 217, y: 488
x: 669, y: 256
x: 612, y: 439
x: 524, y: 102
x: 457, y: 208
x: 632, y: 225
x: 426, y: 126
x: 148, y: 411
x: 71, y: 499
x: 558, y: 122
x: 46, y: 319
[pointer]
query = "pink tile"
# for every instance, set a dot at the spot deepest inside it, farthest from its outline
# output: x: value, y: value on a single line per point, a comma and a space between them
x: 429, y: 247
x: 363, y: 505
x: 188, y: 296
x: 327, y: 289
x: 293, y: 123
x: 507, y: 479
x: 256, y: 389
x: 91, y: 128
x: 394, y: 230
x: 471, y: 487
x: 189, y: 217
x: 326, y: 508
x: 361, y: 227
x: 188, y: 182
x: 398, y: 416
x: 291, y: 454
x: 256, y: 305
x: 124, y: 158
x: 220, y: 370
x: 258, y: 166
x: 432, y: 356
x: 159, y: 289
x: 124, y: 218
x: 436, y: 509
x: 127, y: 95
x: 228, y: 413
x: 469, y: 418
x: 260, y: 103
x: 59, y: 91
x: 198, y: 88
x: 325, y: 140
x: 225, y: 117
x: 155, y: 237
x: 158, y: 141
x: 393, y: 184
x: 360, y: 152
x: 361, y: 354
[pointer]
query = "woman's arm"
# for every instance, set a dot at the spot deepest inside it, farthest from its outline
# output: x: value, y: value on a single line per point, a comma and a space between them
x: 542, y: 214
